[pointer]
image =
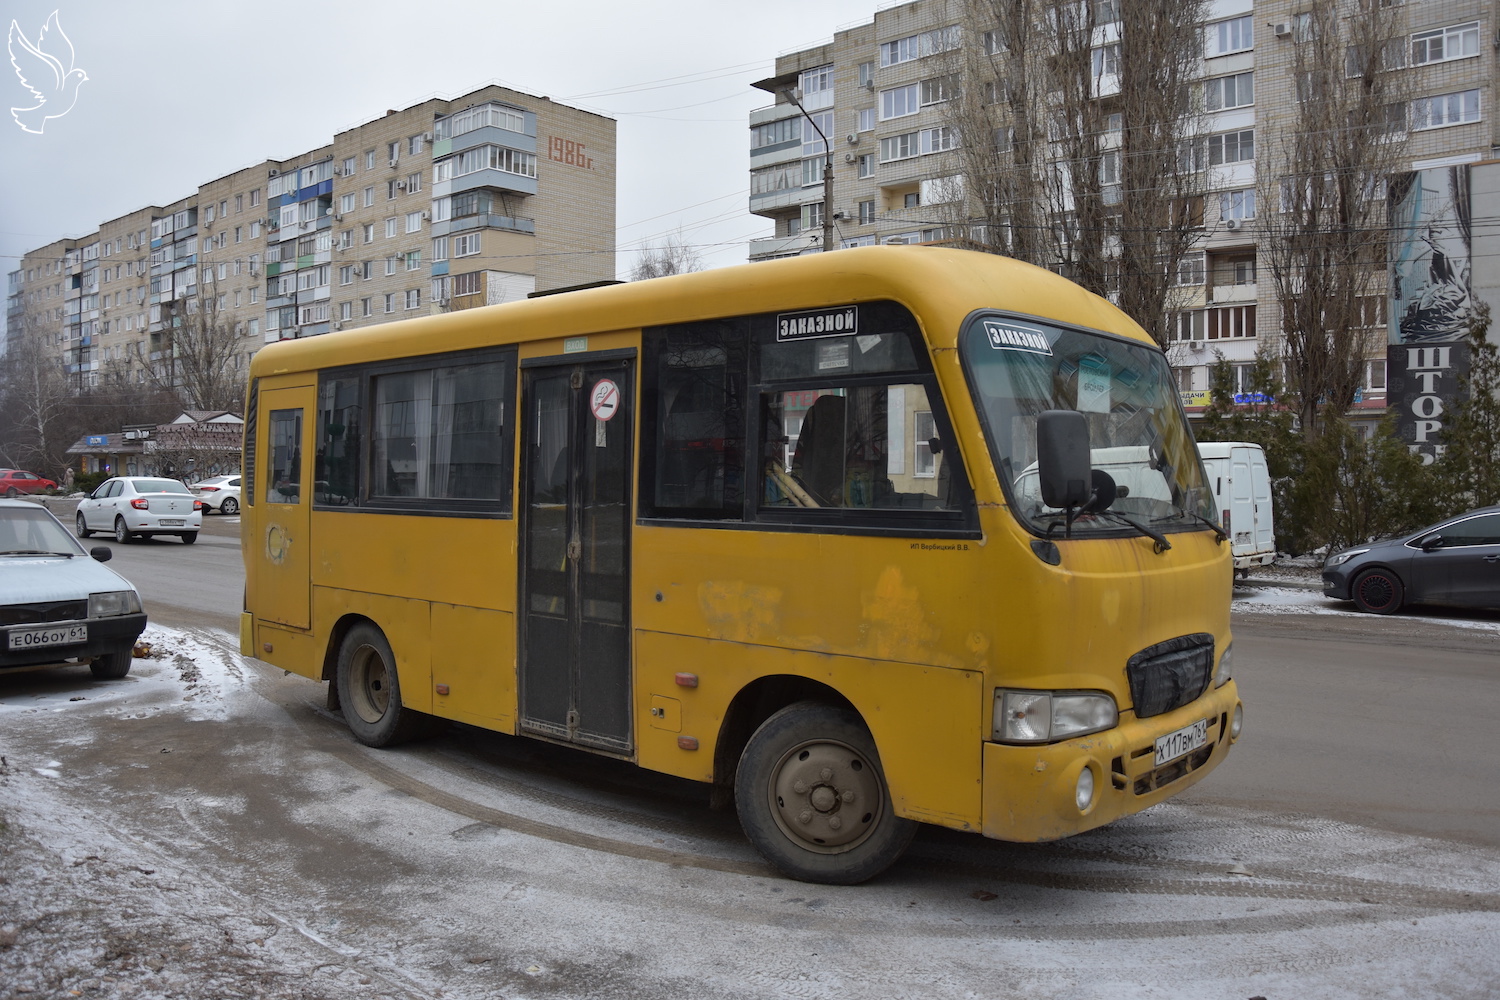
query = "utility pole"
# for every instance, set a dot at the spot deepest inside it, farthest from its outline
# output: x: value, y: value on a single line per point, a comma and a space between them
x: 794, y: 94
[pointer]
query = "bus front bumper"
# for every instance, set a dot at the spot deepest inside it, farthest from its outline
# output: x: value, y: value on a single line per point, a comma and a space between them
x: 1031, y: 793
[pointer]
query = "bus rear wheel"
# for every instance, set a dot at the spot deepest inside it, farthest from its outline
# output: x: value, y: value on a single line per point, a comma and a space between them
x: 812, y: 797
x: 369, y: 692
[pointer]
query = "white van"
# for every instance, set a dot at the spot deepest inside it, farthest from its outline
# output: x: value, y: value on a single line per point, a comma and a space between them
x: 1241, y: 484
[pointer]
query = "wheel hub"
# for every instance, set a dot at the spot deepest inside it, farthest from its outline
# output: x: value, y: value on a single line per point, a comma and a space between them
x: 825, y: 795
x: 370, y: 687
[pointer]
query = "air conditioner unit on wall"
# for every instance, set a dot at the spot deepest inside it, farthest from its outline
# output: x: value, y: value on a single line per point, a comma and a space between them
x: 394, y: 161
x: 1282, y: 29
x: 1196, y: 345
x: 1232, y: 224
x: 848, y: 157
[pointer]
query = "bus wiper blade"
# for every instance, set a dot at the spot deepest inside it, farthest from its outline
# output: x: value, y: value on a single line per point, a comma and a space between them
x: 1218, y: 529
x: 1160, y: 540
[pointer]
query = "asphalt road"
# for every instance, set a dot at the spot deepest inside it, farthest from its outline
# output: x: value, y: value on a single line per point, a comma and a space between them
x: 206, y: 819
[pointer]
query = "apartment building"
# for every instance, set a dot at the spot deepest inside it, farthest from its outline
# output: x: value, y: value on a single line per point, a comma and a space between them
x: 880, y: 93
x: 447, y: 204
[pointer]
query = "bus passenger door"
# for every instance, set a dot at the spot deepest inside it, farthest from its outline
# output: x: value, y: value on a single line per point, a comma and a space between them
x: 283, y: 588
x: 578, y: 426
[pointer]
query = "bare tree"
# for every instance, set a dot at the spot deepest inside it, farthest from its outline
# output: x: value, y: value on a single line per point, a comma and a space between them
x: 672, y: 257
x: 1323, y: 202
x: 198, y: 355
x: 1072, y: 128
x: 36, y: 412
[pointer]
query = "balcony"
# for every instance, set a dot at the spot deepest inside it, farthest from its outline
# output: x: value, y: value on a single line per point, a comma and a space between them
x: 514, y: 224
x: 1222, y: 294
x: 786, y: 246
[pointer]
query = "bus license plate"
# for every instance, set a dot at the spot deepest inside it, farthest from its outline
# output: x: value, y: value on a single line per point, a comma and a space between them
x: 1184, y: 741
x: 31, y: 638
x: 171, y: 522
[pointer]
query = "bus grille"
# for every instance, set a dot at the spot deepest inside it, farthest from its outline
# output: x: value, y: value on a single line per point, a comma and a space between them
x: 1170, y: 674
x: 49, y: 611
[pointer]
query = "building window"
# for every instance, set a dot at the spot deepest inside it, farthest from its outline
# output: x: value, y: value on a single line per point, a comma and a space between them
x: 414, y: 145
x: 390, y: 265
x: 346, y: 274
x: 366, y: 307
x: 393, y: 151
x: 1234, y: 35
x: 392, y: 190
x: 414, y: 222
x: 413, y: 298
x: 912, y: 199
x: 812, y: 142
x: 392, y: 227
x: 369, y: 159
x: 1106, y: 60
x: 867, y: 165
x: 812, y: 171
x: 440, y: 248
x: 1444, y: 110
x: 898, y: 147
x: 899, y: 103
x: 1231, y: 147
x: 346, y: 310
x: 346, y: 202
x: 866, y: 212
x: 1231, y: 323
x: 414, y: 260
x: 511, y: 161
x: 1375, y: 375
x: 254, y: 197
x: 390, y: 302
x: 369, y: 197
x: 369, y: 232
x: 775, y: 133
x: 1456, y: 42
x: 413, y: 183
x: 1239, y: 205
x: 348, y: 166
x: 866, y: 74
x: 866, y: 119
x: 466, y: 245
x: 1190, y: 270
x: 938, y: 90
x: 468, y: 284
x: 1236, y: 91
x: 917, y: 46
x: 239, y: 233
x: 817, y: 87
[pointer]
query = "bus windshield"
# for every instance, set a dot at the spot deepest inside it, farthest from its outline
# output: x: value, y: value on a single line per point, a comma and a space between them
x: 1136, y: 429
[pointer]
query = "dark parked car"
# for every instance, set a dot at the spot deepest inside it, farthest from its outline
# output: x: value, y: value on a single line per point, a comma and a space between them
x: 1454, y: 562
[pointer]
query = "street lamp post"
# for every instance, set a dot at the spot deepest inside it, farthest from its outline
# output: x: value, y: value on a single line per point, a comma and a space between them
x: 794, y: 94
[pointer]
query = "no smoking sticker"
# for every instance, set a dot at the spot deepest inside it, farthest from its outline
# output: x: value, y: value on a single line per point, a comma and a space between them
x: 605, y: 400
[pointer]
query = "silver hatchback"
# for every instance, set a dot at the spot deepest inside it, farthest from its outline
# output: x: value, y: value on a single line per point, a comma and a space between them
x: 136, y: 506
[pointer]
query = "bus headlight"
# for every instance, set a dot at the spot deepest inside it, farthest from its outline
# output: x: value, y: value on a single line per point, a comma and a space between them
x: 1226, y: 660
x: 1049, y: 716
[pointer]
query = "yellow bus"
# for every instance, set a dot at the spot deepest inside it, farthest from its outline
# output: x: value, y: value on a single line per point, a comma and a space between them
x: 867, y: 539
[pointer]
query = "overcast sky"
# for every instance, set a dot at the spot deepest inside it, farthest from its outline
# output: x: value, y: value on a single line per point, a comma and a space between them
x: 180, y: 93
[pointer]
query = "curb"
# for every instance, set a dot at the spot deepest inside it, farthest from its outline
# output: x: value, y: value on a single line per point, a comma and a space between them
x: 1285, y: 584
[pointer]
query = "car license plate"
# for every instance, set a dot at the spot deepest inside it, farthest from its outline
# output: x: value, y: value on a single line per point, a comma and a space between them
x: 171, y: 522
x: 62, y: 635
x: 1184, y: 741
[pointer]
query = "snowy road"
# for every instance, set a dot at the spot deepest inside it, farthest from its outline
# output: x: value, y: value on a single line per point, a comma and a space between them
x: 205, y: 829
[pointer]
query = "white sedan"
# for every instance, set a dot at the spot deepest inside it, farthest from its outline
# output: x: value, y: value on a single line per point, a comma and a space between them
x: 134, y: 506
x: 220, y: 493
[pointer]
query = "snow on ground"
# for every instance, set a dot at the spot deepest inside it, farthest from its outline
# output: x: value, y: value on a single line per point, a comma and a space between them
x: 1302, y: 601
x: 204, y: 901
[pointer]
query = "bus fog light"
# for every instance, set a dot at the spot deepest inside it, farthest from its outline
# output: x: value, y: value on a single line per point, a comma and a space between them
x: 1237, y: 723
x: 1084, y: 795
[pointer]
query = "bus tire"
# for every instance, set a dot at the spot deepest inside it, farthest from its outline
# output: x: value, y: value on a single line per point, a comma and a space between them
x: 369, y: 692
x: 812, y: 797
x: 1378, y: 592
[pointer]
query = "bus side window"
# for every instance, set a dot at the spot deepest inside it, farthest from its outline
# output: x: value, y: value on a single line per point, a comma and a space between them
x: 284, y: 477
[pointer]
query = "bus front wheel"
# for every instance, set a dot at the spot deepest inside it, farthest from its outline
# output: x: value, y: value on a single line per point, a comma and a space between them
x: 369, y: 691
x: 812, y: 797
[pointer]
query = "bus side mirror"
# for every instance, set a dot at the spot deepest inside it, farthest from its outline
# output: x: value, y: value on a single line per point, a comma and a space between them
x: 1063, y: 459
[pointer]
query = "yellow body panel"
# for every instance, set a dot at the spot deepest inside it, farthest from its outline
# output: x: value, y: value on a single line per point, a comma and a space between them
x: 474, y: 657
x: 919, y: 715
x: 914, y: 633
